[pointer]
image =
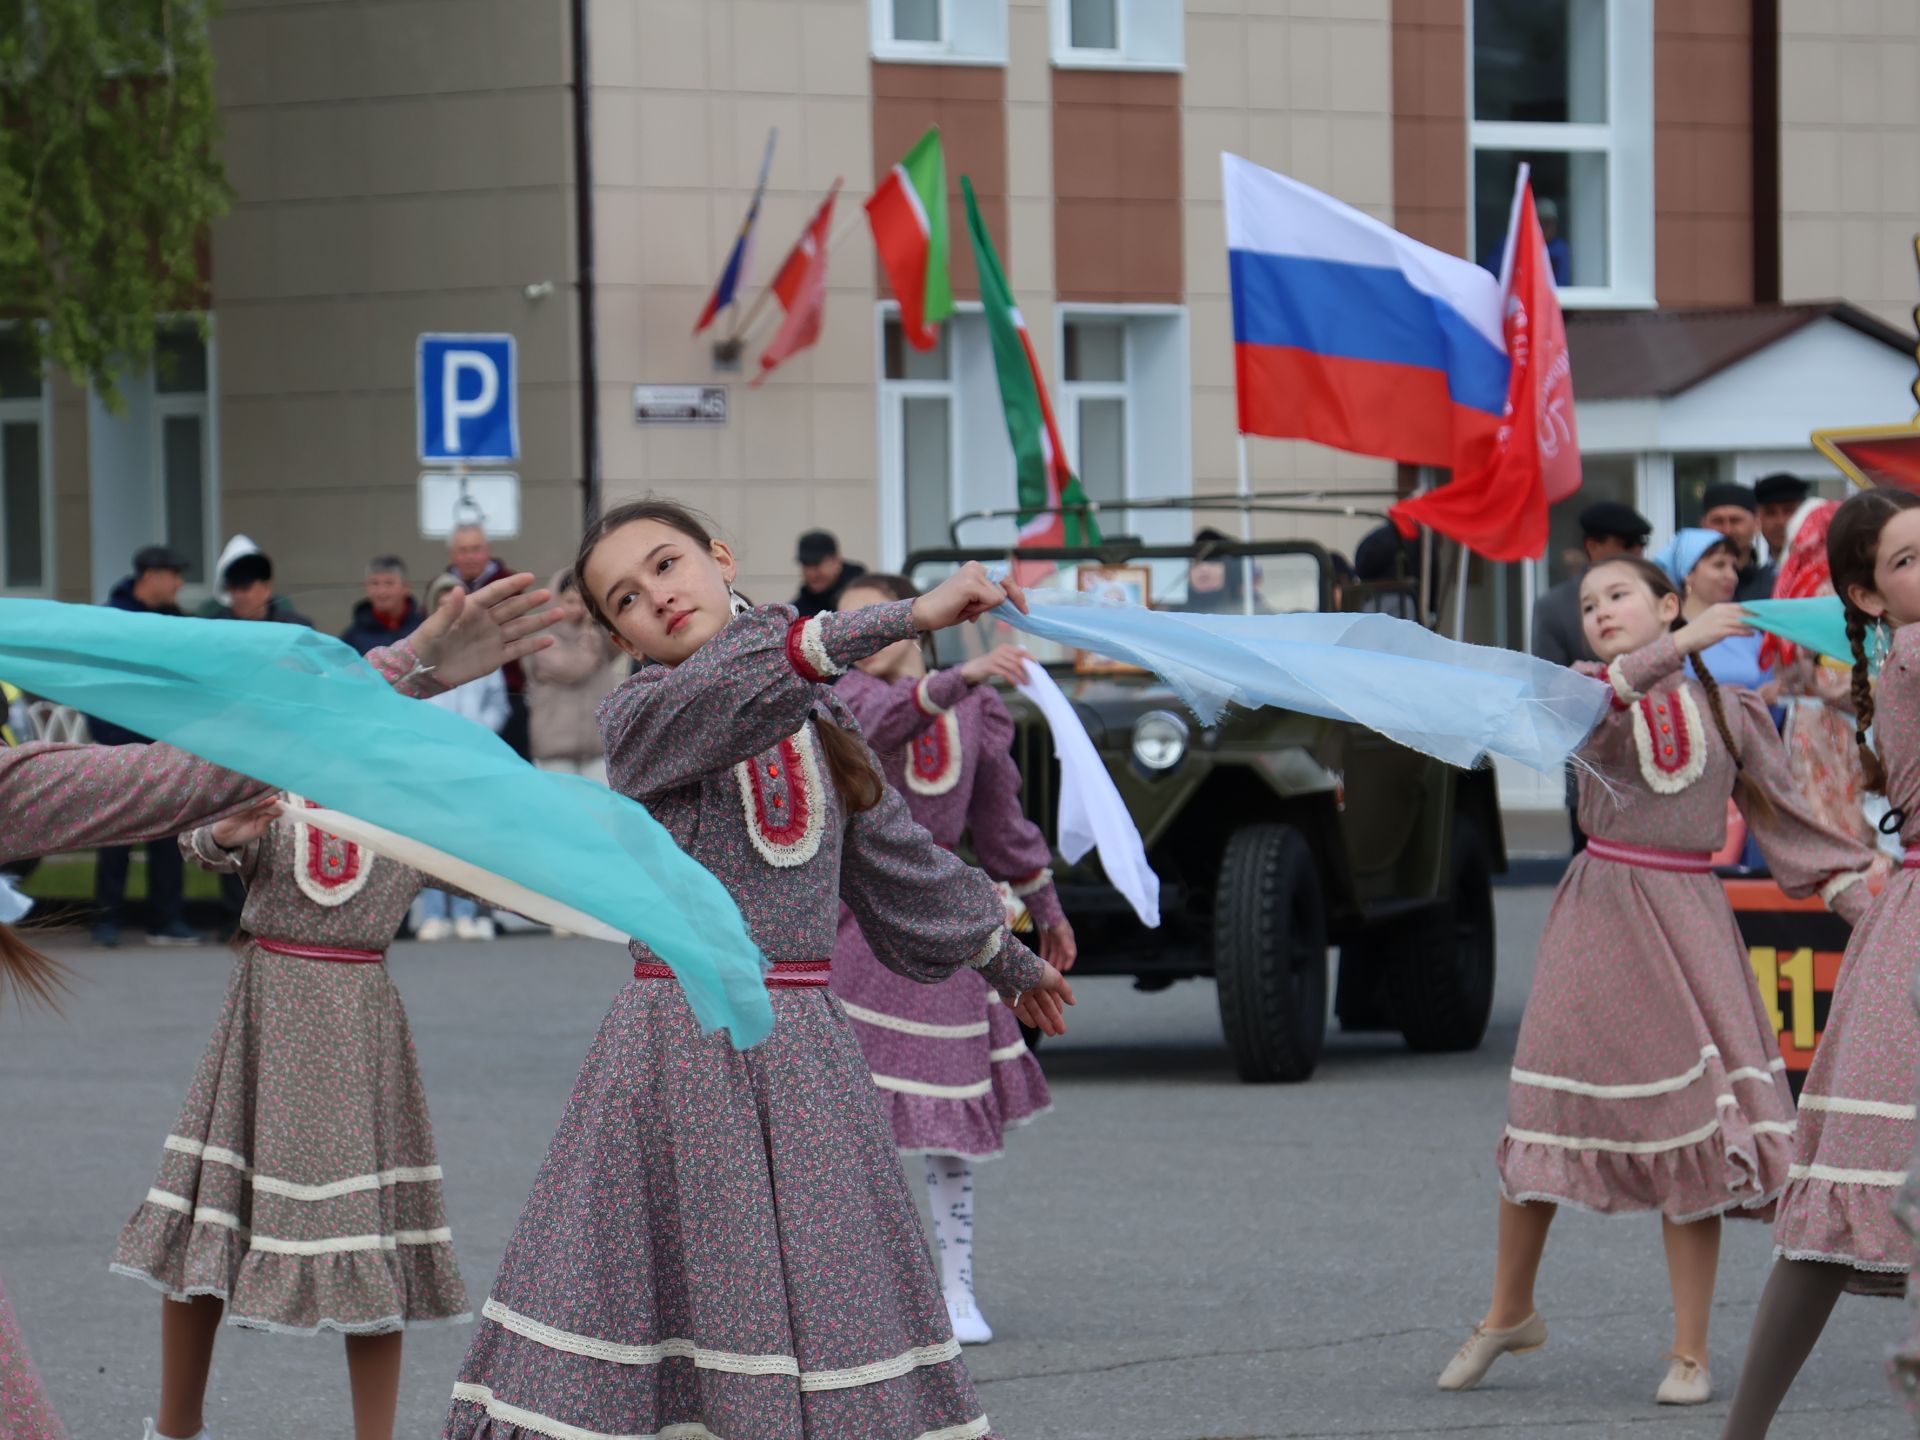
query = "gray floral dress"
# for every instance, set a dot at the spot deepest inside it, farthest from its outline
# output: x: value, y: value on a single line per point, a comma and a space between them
x: 300, y: 1183
x: 722, y: 1243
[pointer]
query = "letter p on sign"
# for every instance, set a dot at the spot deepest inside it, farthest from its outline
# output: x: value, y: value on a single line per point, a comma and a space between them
x: 465, y: 397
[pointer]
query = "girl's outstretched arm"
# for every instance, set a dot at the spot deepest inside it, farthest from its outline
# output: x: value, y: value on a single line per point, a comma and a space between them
x: 741, y: 693
x: 926, y: 914
x: 1803, y: 854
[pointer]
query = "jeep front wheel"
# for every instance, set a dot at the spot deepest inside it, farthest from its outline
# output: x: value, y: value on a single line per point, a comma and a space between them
x: 1270, y: 953
x: 1444, y: 991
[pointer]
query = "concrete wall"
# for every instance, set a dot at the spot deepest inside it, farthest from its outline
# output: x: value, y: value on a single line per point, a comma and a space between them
x: 399, y: 166
x: 1313, y: 96
x: 684, y: 93
x: 1850, y: 153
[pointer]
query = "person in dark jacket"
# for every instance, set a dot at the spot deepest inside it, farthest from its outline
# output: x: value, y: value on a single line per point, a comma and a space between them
x: 824, y: 576
x: 152, y: 589
x: 389, y: 613
x: 1731, y: 509
x: 246, y: 583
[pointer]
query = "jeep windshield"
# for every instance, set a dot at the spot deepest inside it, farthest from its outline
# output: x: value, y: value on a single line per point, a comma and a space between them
x: 1259, y: 578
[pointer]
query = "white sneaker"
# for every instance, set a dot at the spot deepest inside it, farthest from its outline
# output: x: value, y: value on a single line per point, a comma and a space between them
x: 153, y: 1434
x: 484, y: 928
x: 466, y: 928
x: 969, y: 1325
x: 432, y: 930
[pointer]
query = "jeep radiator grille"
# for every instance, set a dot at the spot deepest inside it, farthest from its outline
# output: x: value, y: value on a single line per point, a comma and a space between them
x: 1039, y: 776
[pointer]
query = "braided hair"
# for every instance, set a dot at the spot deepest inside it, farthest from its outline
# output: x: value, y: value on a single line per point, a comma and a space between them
x: 1657, y: 580
x: 1853, y: 546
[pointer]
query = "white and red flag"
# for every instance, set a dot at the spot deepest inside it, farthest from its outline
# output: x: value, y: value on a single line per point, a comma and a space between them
x: 1499, y: 509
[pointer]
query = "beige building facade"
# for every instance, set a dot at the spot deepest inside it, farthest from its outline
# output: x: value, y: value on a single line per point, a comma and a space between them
x: 402, y: 167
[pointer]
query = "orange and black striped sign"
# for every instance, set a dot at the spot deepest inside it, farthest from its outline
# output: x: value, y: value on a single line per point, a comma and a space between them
x: 1795, y: 948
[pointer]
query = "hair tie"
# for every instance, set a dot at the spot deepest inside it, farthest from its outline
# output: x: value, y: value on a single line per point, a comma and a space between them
x: 1893, y: 822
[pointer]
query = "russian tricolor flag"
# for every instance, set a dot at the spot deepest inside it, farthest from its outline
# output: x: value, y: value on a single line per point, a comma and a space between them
x: 1349, y: 333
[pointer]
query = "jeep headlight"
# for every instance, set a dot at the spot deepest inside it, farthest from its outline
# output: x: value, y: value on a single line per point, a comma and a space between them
x: 1159, y: 741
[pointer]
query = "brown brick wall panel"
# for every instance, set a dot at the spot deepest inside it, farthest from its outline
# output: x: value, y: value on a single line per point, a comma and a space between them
x: 1430, y: 122
x: 968, y: 103
x: 1703, y: 153
x: 1118, y: 230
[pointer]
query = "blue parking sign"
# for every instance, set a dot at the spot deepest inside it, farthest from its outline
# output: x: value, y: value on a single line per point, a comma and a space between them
x: 465, y: 392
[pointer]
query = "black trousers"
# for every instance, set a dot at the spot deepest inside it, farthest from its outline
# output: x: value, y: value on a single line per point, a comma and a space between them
x: 516, y: 733
x: 166, y: 881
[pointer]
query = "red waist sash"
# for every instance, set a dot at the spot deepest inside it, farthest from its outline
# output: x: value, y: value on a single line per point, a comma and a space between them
x: 1911, y: 860
x: 1684, y: 862
x: 786, y: 974
x: 321, y: 952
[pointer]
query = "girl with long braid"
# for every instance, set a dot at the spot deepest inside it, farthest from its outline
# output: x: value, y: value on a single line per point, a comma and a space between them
x: 1647, y: 1077
x: 1837, y: 1229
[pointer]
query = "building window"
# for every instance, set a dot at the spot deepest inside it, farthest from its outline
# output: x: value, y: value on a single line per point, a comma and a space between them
x: 1566, y: 86
x: 26, y: 510
x: 1123, y: 408
x: 180, y: 447
x: 941, y: 32
x: 920, y: 398
x: 1093, y: 397
x: 1119, y: 34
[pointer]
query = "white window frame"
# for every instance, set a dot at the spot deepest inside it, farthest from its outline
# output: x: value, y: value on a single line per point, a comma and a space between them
x: 1068, y: 56
x: 890, y: 423
x: 945, y: 50
x: 38, y: 410
x: 1071, y: 392
x: 1067, y: 392
x: 1626, y: 139
x: 203, y: 405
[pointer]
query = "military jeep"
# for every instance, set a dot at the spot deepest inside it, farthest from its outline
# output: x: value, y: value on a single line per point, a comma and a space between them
x: 1274, y: 834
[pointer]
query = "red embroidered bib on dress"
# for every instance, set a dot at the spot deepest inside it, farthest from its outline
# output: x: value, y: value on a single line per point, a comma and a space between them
x: 329, y: 871
x: 784, y: 801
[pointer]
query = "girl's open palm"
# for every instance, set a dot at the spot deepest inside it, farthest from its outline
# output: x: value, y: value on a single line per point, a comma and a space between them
x: 474, y: 635
x: 1043, y: 1007
x: 1003, y: 662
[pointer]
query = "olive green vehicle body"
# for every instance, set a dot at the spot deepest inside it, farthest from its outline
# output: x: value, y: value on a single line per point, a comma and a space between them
x: 1383, y: 826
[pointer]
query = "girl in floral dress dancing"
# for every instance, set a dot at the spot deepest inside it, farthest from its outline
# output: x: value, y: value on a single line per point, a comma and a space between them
x: 948, y: 1060
x: 1647, y: 1076
x: 722, y: 1242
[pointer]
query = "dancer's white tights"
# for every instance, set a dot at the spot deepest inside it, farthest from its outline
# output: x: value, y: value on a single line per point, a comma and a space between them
x: 950, y: 1190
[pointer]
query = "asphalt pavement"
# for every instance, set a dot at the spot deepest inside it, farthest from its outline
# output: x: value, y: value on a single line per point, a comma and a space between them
x: 1169, y: 1255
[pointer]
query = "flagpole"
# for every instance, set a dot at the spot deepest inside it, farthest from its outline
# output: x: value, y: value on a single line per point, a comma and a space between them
x: 1460, y: 598
x: 1246, y: 492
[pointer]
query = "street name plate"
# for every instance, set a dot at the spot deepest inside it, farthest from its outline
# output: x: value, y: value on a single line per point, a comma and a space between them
x: 680, y: 404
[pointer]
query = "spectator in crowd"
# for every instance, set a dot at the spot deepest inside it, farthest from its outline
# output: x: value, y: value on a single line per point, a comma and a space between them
x: 1384, y: 556
x: 246, y: 588
x: 470, y: 559
x: 1779, y: 497
x: 389, y: 613
x: 824, y: 576
x: 565, y: 685
x: 436, y: 914
x: 1217, y: 584
x: 1608, y: 530
x: 152, y: 589
x: 1730, y: 509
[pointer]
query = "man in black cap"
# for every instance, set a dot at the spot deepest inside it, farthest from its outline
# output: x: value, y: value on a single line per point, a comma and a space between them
x: 152, y: 589
x: 1778, y: 496
x: 824, y: 576
x: 1729, y: 508
x: 1609, y: 529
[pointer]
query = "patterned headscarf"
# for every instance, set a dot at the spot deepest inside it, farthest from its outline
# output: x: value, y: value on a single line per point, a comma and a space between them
x: 1803, y: 574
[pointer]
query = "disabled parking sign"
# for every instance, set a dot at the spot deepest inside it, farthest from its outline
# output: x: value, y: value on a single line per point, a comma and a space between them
x: 465, y: 398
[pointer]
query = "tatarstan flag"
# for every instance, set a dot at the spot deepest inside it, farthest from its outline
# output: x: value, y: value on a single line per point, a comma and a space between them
x: 1044, y: 481
x: 908, y: 213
